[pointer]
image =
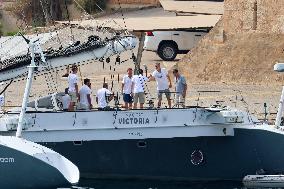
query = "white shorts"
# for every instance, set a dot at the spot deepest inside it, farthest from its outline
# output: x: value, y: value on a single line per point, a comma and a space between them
x: 73, y: 97
x: 179, y: 99
x: 81, y: 106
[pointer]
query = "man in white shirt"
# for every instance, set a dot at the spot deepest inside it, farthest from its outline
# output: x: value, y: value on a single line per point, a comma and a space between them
x: 85, y: 95
x: 126, y: 89
x: 66, y: 99
x: 73, y: 87
x: 138, y: 88
x: 163, y: 83
x: 103, y: 97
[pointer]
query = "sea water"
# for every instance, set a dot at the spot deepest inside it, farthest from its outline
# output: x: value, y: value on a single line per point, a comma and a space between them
x: 130, y: 184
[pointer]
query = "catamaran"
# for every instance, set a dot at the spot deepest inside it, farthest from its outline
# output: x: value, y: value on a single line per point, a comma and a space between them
x: 180, y: 143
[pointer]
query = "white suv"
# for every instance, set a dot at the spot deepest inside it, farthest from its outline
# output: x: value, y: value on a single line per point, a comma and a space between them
x: 168, y: 44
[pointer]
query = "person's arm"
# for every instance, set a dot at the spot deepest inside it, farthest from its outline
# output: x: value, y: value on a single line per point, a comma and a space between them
x: 151, y: 78
x: 170, y: 81
x: 67, y: 72
x: 132, y: 87
x: 78, y: 97
x: 122, y: 86
x: 111, y: 95
x: 97, y: 99
x: 185, y: 88
x: 89, y: 100
x: 77, y: 90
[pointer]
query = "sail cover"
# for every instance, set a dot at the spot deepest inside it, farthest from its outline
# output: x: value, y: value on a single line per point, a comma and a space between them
x: 16, y: 58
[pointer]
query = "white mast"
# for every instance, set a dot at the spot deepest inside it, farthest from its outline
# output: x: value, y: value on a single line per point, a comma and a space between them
x: 33, y: 45
x: 279, y: 67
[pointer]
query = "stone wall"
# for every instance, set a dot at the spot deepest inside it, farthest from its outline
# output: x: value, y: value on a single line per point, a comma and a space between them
x: 140, y: 2
x: 254, y: 15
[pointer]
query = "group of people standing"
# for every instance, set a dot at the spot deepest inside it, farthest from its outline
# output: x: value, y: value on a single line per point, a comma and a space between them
x: 133, y: 89
x: 81, y: 99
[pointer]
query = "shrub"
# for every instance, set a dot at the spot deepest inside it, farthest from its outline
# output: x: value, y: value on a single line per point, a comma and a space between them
x: 91, y: 6
x: 1, y: 31
x: 11, y: 33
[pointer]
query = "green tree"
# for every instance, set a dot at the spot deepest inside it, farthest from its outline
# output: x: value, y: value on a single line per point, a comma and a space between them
x: 93, y: 6
x: 40, y: 12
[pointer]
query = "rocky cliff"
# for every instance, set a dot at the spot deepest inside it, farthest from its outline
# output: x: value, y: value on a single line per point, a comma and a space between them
x: 242, y: 47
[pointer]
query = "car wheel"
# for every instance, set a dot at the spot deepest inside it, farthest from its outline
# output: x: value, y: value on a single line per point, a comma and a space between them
x: 167, y: 51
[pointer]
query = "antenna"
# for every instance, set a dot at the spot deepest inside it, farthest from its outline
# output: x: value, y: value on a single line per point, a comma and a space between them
x: 27, y: 40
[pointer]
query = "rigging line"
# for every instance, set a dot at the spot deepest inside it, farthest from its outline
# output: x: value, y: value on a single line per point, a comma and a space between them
x: 24, y: 17
x: 68, y: 16
x: 123, y: 18
x: 94, y: 19
x: 146, y: 86
x: 9, y: 38
x: 44, y: 12
x: 99, y: 7
x: 80, y: 73
x: 19, y: 27
x: 48, y: 17
x: 78, y: 4
x: 4, y: 53
x: 6, y: 87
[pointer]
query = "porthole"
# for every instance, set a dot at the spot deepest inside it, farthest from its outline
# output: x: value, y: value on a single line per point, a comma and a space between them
x: 142, y: 144
x: 77, y: 143
x: 196, y: 157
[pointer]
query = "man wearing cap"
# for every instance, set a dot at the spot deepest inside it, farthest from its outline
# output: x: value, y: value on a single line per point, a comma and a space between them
x: 73, y: 87
x: 126, y: 89
x: 163, y: 83
x: 180, y: 88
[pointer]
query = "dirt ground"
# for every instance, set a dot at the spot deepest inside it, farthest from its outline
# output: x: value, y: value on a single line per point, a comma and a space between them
x: 246, y: 97
x: 208, y: 82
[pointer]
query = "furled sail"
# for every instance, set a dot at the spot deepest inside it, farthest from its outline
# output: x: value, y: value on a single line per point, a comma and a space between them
x: 93, y: 49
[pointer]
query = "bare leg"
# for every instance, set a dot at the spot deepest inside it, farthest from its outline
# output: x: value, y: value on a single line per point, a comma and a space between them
x: 126, y: 105
x: 135, y: 105
x: 71, y: 106
x: 159, y: 103
x: 141, y: 105
x: 169, y: 102
x: 130, y: 106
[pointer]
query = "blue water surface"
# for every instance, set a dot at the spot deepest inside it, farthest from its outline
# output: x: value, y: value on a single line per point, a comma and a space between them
x: 130, y: 184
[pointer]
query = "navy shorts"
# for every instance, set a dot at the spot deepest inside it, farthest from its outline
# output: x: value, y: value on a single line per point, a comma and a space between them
x: 167, y: 93
x: 127, y: 98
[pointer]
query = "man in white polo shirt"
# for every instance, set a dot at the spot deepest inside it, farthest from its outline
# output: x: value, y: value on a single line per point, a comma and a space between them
x: 85, y: 95
x: 73, y: 87
x: 138, y: 88
x: 163, y: 83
